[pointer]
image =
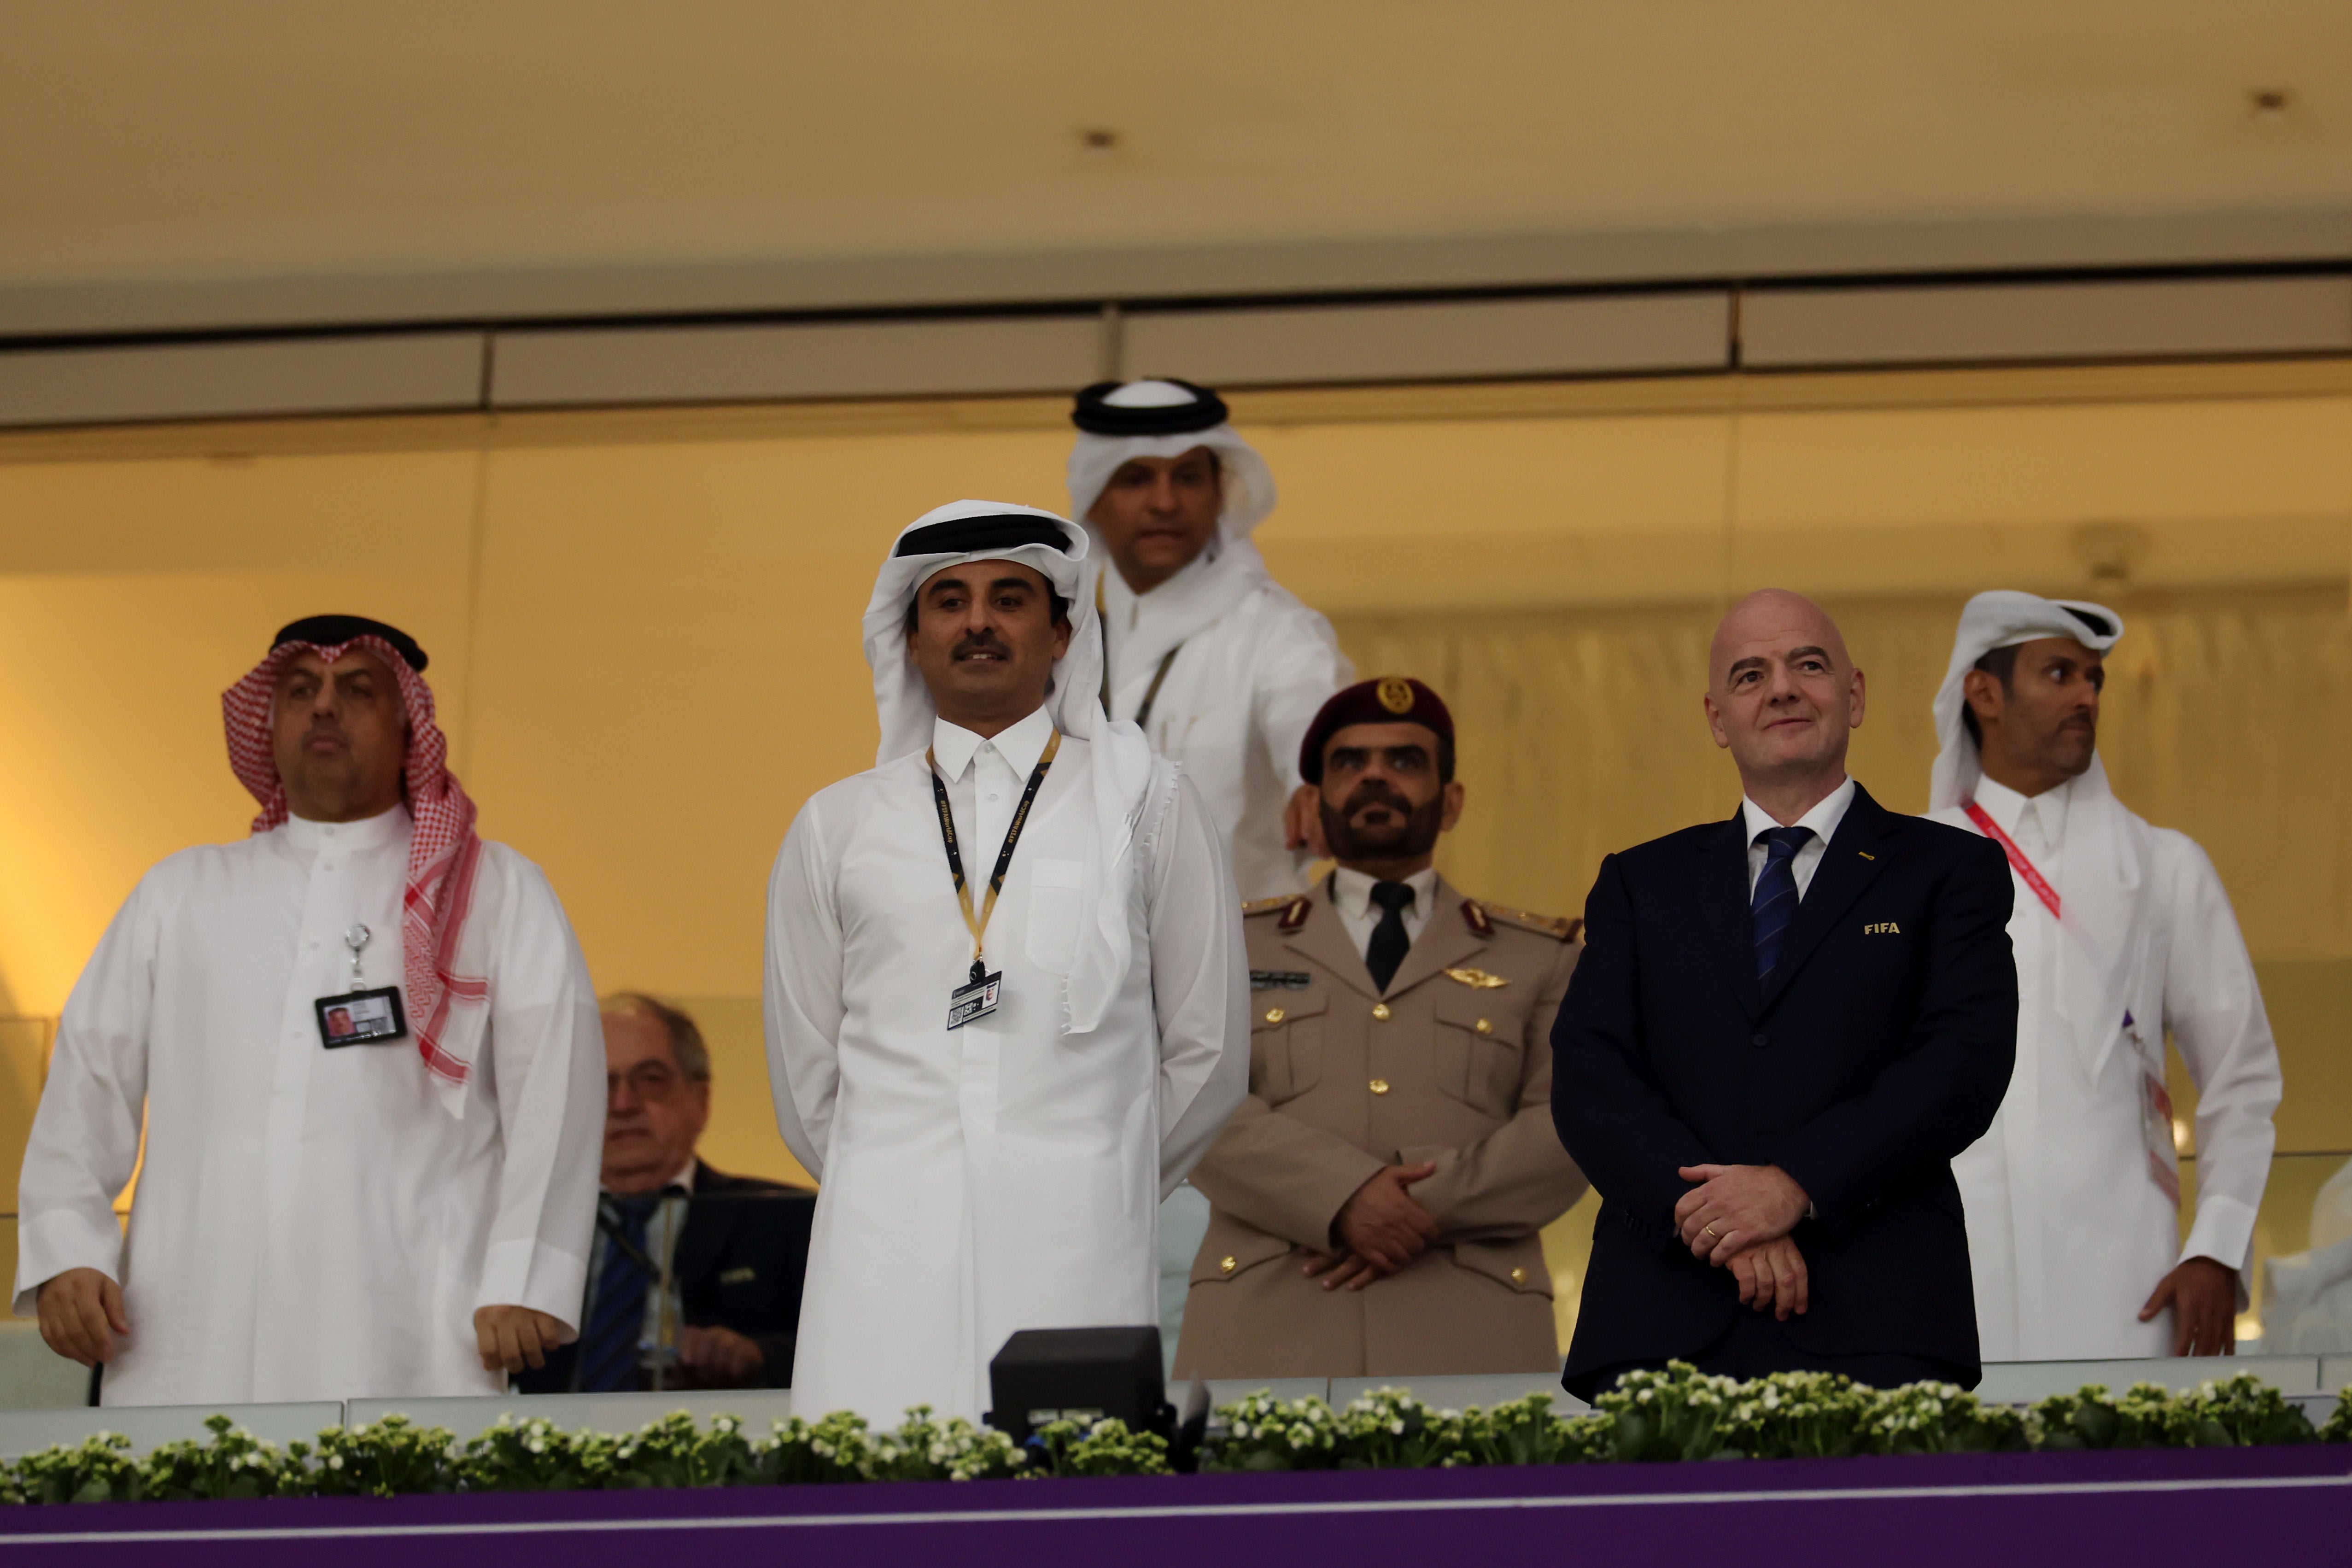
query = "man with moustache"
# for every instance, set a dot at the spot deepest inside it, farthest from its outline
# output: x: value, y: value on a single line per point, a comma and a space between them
x: 2124, y: 935
x: 399, y: 1206
x: 1784, y: 1027
x: 1005, y: 989
x: 1376, y: 1201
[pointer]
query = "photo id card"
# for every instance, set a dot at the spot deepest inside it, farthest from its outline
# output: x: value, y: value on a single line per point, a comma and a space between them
x: 361, y: 1017
x: 977, y: 1000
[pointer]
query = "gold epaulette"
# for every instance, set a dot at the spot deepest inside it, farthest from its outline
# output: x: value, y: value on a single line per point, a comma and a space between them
x: 1558, y: 927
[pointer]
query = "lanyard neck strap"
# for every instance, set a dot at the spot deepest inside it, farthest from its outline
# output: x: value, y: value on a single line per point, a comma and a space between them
x: 2023, y: 867
x: 978, y: 923
x: 1102, y: 619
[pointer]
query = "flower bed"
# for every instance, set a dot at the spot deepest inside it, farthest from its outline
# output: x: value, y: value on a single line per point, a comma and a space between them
x: 1679, y: 1413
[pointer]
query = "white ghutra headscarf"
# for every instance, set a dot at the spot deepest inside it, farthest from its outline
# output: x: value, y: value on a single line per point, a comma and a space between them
x: 1119, y: 423
x: 2107, y: 845
x: 1125, y: 775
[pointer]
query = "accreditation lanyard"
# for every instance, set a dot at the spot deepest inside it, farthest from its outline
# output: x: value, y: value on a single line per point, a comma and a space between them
x: 2023, y: 867
x: 1142, y: 714
x: 962, y: 1001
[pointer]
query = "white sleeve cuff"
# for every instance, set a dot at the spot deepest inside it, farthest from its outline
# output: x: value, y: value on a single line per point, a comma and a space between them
x: 527, y: 1273
x: 2224, y: 1232
x: 49, y: 1243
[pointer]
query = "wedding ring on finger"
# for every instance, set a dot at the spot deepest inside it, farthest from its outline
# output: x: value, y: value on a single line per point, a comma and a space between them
x: 1710, y: 1231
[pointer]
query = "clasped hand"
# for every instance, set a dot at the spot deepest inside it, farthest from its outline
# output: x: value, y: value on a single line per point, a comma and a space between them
x: 1738, y: 1217
x: 1379, y: 1229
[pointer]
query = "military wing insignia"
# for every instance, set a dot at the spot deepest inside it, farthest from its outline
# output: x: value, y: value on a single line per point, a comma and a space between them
x: 1280, y: 980
x: 1476, y: 979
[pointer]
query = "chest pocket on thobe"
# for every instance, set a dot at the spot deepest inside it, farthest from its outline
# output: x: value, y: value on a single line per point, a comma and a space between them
x: 1477, y: 1050
x: 1054, y: 914
x: 1286, y: 1042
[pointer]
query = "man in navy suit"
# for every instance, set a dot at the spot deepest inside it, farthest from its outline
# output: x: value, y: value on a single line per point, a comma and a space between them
x: 1783, y: 1028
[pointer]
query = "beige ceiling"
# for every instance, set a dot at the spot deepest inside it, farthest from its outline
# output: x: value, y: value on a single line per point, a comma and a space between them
x: 177, y: 139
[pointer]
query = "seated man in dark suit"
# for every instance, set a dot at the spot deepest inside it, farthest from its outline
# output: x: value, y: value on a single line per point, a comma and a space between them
x: 737, y: 1245
x: 1783, y: 1028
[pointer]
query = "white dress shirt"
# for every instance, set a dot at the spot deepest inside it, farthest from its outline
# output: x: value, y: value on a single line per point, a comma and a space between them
x: 312, y: 1224
x: 1353, y: 892
x: 1822, y: 820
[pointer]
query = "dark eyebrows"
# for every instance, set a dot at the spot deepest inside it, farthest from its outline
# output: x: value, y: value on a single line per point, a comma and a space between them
x: 1796, y: 653
x: 1003, y: 583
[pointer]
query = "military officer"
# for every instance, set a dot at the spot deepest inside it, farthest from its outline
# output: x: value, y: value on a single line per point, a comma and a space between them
x: 1375, y: 1203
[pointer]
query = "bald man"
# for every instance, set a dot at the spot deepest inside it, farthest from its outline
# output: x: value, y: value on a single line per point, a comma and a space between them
x: 1783, y: 1028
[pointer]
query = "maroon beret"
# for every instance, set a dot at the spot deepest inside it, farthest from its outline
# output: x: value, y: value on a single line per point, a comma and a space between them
x: 1391, y: 700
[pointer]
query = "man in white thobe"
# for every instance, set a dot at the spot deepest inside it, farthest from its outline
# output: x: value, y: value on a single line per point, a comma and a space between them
x: 1221, y: 667
x: 368, y: 1059
x: 2123, y: 936
x: 994, y: 1071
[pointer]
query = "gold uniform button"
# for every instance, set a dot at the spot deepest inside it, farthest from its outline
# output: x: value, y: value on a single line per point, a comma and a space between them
x: 1227, y: 1265
x: 1518, y: 1276
x: 1274, y: 1014
x: 1381, y: 1011
x: 1485, y: 1028
x: 1380, y: 1085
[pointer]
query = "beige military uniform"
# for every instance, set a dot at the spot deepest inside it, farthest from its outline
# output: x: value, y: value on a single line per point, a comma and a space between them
x: 1452, y: 1066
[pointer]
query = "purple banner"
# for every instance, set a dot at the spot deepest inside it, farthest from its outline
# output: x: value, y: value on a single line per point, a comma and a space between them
x: 2161, y: 1506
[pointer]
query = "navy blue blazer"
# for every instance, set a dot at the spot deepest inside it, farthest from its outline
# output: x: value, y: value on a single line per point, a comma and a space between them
x: 1880, y: 1049
x: 740, y: 1262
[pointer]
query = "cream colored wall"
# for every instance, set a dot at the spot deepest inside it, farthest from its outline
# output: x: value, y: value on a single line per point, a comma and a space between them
x: 644, y: 626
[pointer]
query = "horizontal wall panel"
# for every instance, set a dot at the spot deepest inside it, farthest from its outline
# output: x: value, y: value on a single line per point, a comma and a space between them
x: 1578, y: 335
x: 387, y: 373
x: 756, y: 363
x: 2045, y: 322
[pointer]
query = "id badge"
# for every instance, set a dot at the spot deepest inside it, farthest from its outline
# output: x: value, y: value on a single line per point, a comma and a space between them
x: 360, y: 1018
x: 977, y: 1000
x: 2156, y: 1126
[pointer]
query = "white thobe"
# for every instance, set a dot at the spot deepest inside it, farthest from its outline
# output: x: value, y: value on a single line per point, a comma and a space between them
x: 1247, y: 678
x: 311, y: 1224
x: 2068, y: 1233
x: 1004, y: 1176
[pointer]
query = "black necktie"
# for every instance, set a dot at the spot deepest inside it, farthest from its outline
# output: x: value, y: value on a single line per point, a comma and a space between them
x: 1387, y: 949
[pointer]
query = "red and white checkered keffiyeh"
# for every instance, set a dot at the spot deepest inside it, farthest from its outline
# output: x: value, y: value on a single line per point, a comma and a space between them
x: 444, y: 852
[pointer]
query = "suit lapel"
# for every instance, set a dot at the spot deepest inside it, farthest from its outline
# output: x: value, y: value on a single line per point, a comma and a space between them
x: 1719, y: 877
x: 1324, y: 939
x: 710, y: 1219
x: 1445, y: 941
x: 1846, y: 868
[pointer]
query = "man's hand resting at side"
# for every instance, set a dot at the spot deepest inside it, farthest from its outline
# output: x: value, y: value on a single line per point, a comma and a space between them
x: 82, y: 1314
x: 1379, y: 1229
x: 1735, y: 1207
x: 511, y: 1338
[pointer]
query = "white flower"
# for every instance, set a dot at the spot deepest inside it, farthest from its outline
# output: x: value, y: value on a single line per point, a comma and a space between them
x: 335, y: 1463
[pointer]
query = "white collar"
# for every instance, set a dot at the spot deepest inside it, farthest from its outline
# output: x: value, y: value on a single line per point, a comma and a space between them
x: 1822, y: 820
x: 1352, y: 890
x: 2006, y: 806
x: 1131, y: 607
x: 1019, y: 744
x: 368, y: 833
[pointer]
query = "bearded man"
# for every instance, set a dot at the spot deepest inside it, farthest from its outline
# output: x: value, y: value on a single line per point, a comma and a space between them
x: 1376, y: 1202
x: 1005, y: 991
x: 2124, y: 936
x: 365, y: 1051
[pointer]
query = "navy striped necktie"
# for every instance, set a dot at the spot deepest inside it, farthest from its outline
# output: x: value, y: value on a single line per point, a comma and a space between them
x: 616, y: 1323
x: 1774, y: 903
